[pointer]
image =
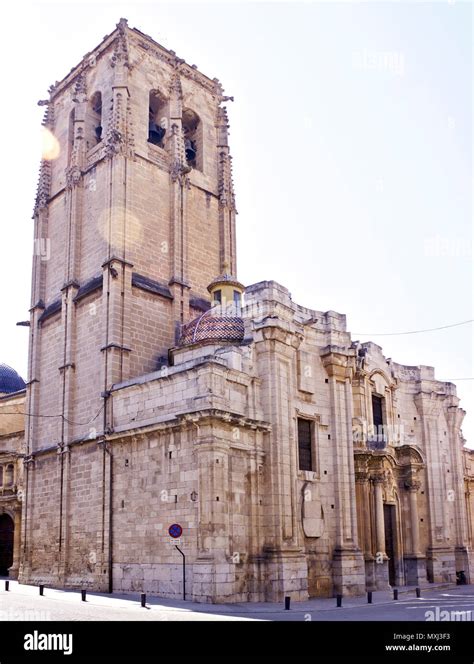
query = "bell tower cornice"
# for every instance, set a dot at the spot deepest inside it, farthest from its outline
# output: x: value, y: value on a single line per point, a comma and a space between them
x: 117, y: 44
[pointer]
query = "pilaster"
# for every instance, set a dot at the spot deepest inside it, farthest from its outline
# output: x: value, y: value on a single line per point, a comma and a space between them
x: 348, y: 561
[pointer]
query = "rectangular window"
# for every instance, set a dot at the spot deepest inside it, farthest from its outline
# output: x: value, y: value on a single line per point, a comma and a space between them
x: 377, y: 412
x: 237, y: 303
x: 305, y: 438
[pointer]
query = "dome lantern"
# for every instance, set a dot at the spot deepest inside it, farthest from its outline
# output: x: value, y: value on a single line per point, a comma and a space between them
x: 227, y: 291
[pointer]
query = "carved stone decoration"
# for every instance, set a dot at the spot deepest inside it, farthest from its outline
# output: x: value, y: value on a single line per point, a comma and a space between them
x: 378, y: 478
x: 80, y: 91
x: 178, y: 164
x: 130, y: 133
x: 44, y: 186
x: 407, y: 455
x: 48, y: 117
x: 121, y: 52
x: 73, y: 176
x: 179, y: 167
x: 114, y: 138
x: 412, y: 484
x: 226, y: 184
x: 389, y: 486
x: 222, y: 125
x: 362, y: 465
x: 43, y: 189
x: 119, y: 137
x: 176, y: 95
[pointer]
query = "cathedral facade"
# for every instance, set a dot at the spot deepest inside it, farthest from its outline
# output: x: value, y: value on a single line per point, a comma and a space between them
x: 297, y: 461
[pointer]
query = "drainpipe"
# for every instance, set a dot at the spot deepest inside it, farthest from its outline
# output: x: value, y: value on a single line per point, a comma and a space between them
x: 111, y: 486
x: 105, y: 396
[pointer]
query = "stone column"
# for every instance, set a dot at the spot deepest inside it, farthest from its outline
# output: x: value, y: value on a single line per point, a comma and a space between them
x: 363, y: 518
x: 463, y: 556
x: 381, y: 560
x: 415, y: 562
x: 379, y: 519
x: 441, y: 563
x: 348, y: 561
x: 213, y: 577
x: 286, y: 567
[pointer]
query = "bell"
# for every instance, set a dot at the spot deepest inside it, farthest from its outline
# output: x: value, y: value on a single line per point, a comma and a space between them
x: 190, y: 149
x: 155, y: 133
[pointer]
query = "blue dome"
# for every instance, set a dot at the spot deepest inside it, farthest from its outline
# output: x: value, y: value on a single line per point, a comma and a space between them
x: 10, y: 381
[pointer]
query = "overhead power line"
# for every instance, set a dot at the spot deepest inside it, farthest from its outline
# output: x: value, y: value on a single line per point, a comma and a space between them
x: 392, y: 334
x: 450, y: 380
x: 61, y: 416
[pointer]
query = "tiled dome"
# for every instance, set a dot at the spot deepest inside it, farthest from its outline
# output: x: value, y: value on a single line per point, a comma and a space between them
x: 10, y: 381
x: 212, y: 327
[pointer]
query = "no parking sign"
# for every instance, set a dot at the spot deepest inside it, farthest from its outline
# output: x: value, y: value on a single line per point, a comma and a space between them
x: 175, y: 531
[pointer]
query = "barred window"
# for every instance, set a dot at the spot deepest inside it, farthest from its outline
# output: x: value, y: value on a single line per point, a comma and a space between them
x: 305, y: 437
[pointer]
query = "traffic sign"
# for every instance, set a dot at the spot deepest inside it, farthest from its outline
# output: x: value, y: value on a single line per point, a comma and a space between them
x: 175, y: 531
x: 175, y: 542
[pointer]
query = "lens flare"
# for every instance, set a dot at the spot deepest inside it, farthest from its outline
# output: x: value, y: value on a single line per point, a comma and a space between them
x: 111, y: 224
x: 49, y: 145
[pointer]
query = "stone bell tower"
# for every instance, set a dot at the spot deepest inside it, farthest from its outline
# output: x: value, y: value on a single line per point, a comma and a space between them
x: 134, y: 216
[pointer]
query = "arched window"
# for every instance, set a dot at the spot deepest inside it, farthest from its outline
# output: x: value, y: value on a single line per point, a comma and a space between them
x: 193, y: 143
x: 9, y: 475
x: 157, y: 118
x: 94, y: 133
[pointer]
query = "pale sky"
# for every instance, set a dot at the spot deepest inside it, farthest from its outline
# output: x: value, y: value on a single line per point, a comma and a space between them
x: 351, y: 133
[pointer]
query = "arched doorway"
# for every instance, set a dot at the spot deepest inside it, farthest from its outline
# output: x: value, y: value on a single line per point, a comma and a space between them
x: 7, y: 528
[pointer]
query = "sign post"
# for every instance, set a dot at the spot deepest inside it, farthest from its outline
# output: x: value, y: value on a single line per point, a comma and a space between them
x: 175, y: 531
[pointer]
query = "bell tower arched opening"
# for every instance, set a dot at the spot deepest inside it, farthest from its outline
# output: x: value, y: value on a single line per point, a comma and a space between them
x: 94, y: 121
x: 157, y: 118
x: 193, y: 143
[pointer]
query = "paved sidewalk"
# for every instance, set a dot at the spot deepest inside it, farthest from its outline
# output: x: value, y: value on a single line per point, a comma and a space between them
x: 23, y: 602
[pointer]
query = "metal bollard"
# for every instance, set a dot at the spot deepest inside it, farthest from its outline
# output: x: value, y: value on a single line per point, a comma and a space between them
x: 41, y: 588
x: 418, y: 592
x: 338, y: 600
x: 7, y: 585
x: 369, y: 597
x: 83, y: 595
x: 143, y: 599
x: 287, y: 603
x: 395, y: 593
